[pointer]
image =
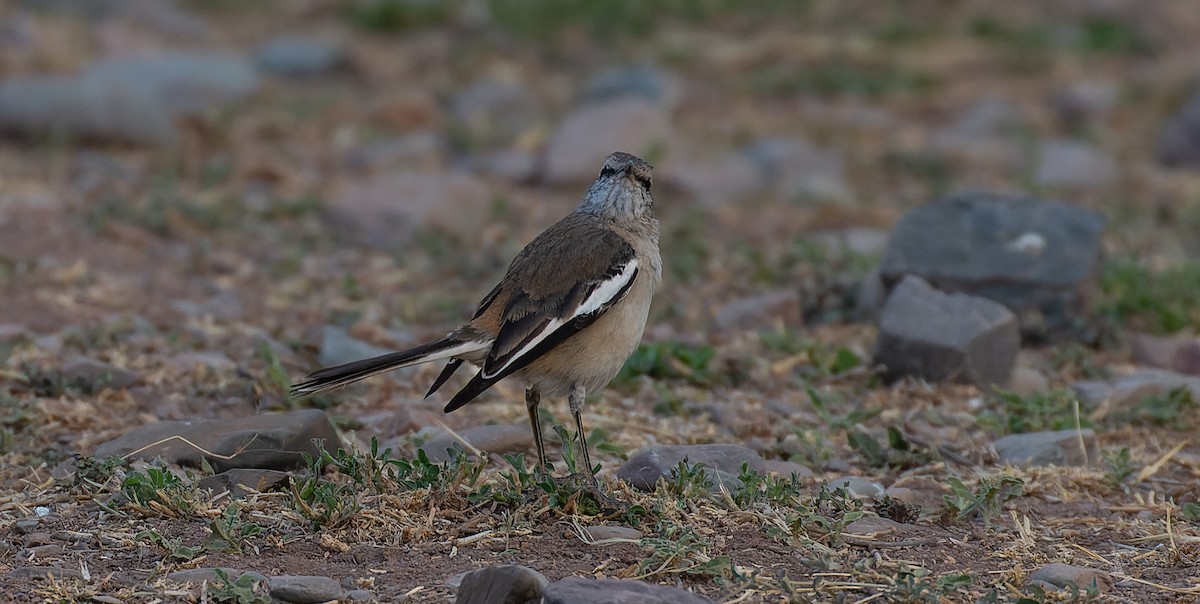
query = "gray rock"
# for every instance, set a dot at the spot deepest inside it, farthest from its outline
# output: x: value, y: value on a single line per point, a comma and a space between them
x: 133, y: 99
x: 730, y: 179
x: 1027, y: 381
x: 643, y: 470
x: 44, y: 572
x: 359, y: 595
x: 385, y: 212
x: 1179, y: 141
x: 858, y: 487
x: 165, y: 16
x: 240, y: 482
x: 421, y: 150
x: 493, y: 438
x: 577, y: 590
x: 197, y: 576
x: 1057, y: 448
x: 494, y: 113
x: 1128, y: 390
x: 641, y: 81
x: 785, y: 469
x: 97, y: 375
x: 1067, y: 163
x: 506, y: 584
x: 1066, y: 576
x: 1037, y: 257
x: 291, y: 55
x: 874, y: 525
x: 268, y: 441
x: 305, y: 590
x: 338, y: 346
x: 12, y: 334
x: 601, y: 533
x: 938, y: 336
x: 589, y: 134
x: 1085, y: 101
x: 513, y: 165
x: 761, y: 310
x: 223, y: 305
x: 799, y: 170
x: 1180, y: 352
x: 986, y: 132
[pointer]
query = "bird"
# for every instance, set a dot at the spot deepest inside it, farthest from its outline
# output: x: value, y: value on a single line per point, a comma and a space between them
x: 569, y: 311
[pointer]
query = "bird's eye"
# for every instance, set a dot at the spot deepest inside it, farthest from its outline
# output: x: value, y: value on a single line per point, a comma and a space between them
x: 607, y: 171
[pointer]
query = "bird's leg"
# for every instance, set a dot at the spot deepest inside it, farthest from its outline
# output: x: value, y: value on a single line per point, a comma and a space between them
x: 576, y: 399
x: 533, y: 398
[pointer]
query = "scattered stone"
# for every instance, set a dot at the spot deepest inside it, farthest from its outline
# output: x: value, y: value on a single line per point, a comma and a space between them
x: 1084, y: 102
x: 1067, y: 163
x: 97, y: 374
x: 1179, y: 142
x: 494, y: 113
x: 295, y: 56
x: 1027, y: 381
x: 197, y: 576
x: 49, y: 550
x: 127, y: 98
x: 359, y: 595
x: 224, y: 305
x: 1057, y: 448
x: 590, y: 133
x: 269, y: 441
x: 785, y: 469
x: 761, y: 310
x: 643, y: 470
x: 304, y: 590
x: 1067, y: 576
x: 12, y: 334
x: 1037, y: 257
x: 714, y: 183
x: 600, y: 533
x: 799, y: 170
x: 646, y: 82
x: 421, y: 150
x: 36, y: 539
x: 493, y: 438
x: 857, y: 240
x: 577, y: 590
x: 858, y: 487
x: 1176, y: 352
x: 984, y: 132
x: 506, y: 584
x: 385, y: 212
x: 937, y: 336
x: 240, y: 482
x: 514, y: 165
x: 875, y: 526
x: 1128, y: 390
x: 338, y: 347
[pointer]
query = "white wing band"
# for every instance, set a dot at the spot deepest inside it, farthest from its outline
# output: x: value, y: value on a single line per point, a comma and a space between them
x: 599, y: 297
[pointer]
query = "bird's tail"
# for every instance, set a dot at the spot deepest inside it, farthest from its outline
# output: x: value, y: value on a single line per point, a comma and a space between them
x: 330, y: 378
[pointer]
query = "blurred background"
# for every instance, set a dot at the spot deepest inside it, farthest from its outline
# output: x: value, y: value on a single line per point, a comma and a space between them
x: 215, y: 196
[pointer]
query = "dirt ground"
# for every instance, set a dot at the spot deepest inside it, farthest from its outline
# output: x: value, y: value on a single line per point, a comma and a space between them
x: 225, y: 245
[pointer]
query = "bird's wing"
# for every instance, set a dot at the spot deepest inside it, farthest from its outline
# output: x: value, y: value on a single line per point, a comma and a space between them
x: 559, y: 284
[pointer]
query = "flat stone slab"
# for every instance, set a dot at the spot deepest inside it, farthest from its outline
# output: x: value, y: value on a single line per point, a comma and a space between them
x: 643, y: 470
x: 577, y: 590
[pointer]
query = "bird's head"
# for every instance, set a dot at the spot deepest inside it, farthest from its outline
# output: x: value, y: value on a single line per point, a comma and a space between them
x: 622, y: 190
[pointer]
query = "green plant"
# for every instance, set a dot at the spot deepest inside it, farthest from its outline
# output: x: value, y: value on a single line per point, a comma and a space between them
x: 986, y: 501
x: 670, y: 361
x: 680, y: 550
x: 176, y: 550
x: 1159, y: 301
x: 242, y: 590
x: 92, y: 474
x: 160, y: 491
x: 1175, y: 409
x: 837, y: 422
x: 1057, y: 409
x: 1118, y: 465
x: 765, y: 489
x: 916, y: 584
x: 229, y: 532
x: 689, y: 481
x: 899, y: 452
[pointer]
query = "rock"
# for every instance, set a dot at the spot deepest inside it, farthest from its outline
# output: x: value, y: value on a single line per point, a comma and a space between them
x: 359, y: 595
x: 858, y: 487
x: 514, y: 165
x: 1039, y: 258
x: 577, y: 590
x: 643, y: 470
x: 875, y: 526
x: 197, y: 576
x: 760, y: 311
x: 385, y: 212
x: 985, y: 131
x: 1179, y: 352
x: 1067, y: 163
x: 240, y: 482
x: 799, y: 170
x: 785, y: 469
x: 1179, y: 141
x: 44, y: 572
x: 1084, y: 102
x: 493, y: 438
x: 129, y: 98
x: 205, y: 360
x: 293, y: 56
x: 338, y: 347
x: 937, y: 336
x: 1067, y: 576
x: 590, y: 133
x: 645, y: 82
x: 730, y: 179
x: 494, y: 113
x: 225, y: 305
x: 857, y: 240
x: 1128, y: 390
x: 304, y: 590
x: 12, y: 334
x: 97, y: 375
x: 268, y: 441
x: 1057, y: 448
x: 506, y: 584
x: 1027, y: 381
x: 601, y: 533
x: 421, y: 150
x: 166, y: 17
